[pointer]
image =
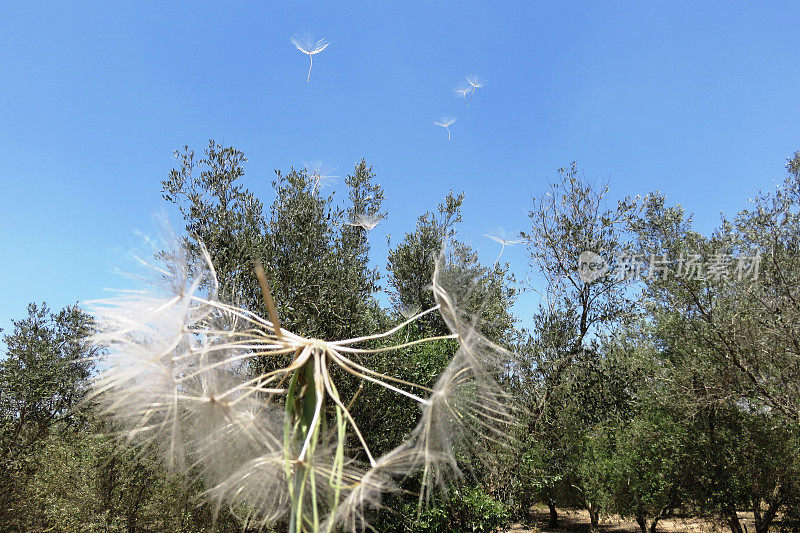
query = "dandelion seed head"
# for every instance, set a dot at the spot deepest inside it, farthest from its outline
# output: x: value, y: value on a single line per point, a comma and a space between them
x: 178, y: 374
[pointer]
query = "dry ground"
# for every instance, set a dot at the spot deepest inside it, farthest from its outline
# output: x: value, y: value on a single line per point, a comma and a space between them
x: 578, y: 521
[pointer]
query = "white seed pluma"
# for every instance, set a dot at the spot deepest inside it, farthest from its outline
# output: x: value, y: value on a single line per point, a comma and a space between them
x: 503, y: 240
x: 463, y: 92
x: 177, y: 374
x: 310, y: 46
x: 445, y: 122
x: 475, y: 82
x: 365, y: 220
x: 322, y: 173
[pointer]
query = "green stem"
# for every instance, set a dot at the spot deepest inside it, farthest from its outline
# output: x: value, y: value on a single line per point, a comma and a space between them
x: 288, y: 431
x: 338, y: 463
x: 301, y: 406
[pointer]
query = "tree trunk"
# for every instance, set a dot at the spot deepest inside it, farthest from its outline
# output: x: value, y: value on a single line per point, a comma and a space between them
x: 764, y: 522
x: 653, y: 524
x: 594, y: 518
x: 762, y: 527
x: 729, y: 512
x: 666, y: 511
x: 642, y: 521
x: 553, y: 521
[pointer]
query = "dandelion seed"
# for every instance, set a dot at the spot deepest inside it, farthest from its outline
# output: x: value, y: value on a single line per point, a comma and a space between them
x: 504, y: 241
x: 177, y: 374
x: 322, y: 174
x: 307, y: 45
x: 409, y: 311
x: 256, y: 493
x: 475, y: 82
x: 365, y: 220
x: 445, y: 122
x: 463, y: 91
x: 368, y: 488
x: 467, y: 405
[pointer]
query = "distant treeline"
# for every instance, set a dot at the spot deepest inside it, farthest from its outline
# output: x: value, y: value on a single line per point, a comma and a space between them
x: 660, y: 374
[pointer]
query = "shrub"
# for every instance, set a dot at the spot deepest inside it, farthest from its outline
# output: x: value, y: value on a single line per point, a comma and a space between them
x: 469, y: 509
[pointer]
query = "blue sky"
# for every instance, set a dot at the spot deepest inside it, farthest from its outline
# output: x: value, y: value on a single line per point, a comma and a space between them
x: 698, y: 100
